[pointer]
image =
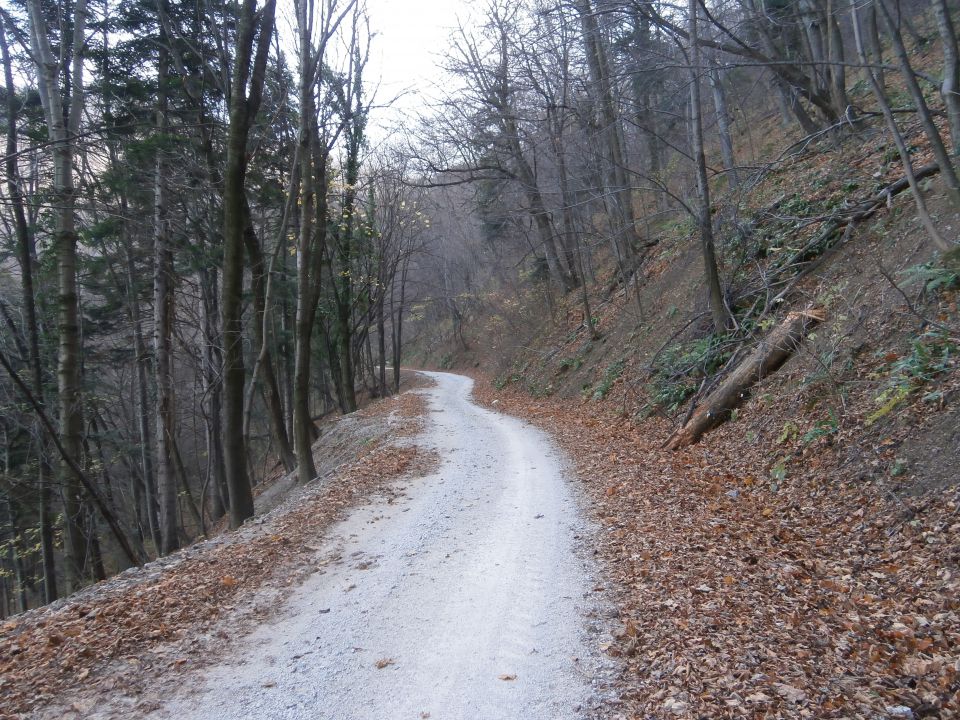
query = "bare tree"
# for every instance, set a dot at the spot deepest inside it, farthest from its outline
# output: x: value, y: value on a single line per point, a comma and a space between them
x: 254, y: 36
x: 63, y: 127
x: 718, y: 308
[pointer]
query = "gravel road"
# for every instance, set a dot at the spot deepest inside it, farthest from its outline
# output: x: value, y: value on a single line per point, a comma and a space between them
x: 465, y: 599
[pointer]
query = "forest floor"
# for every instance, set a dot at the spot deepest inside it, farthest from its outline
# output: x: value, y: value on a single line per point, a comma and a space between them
x: 111, y: 649
x: 454, y: 573
x: 818, y: 593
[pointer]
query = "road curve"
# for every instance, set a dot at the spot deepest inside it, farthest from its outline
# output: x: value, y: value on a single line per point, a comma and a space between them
x: 463, y: 601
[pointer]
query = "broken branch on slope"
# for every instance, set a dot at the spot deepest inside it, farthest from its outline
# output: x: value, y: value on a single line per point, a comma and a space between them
x: 766, y: 359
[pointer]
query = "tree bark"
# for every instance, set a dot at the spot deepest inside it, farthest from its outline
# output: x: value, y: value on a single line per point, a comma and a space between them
x: 63, y: 125
x: 397, y: 319
x: 26, y: 255
x: 718, y: 308
x: 767, y: 358
x: 163, y: 319
x: 723, y: 124
x: 249, y: 68
x: 895, y: 133
x: 950, y: 86
x: 142, y: 362
x: 212, y: 385
x: 308, y: 279
x: 260, y: 274
x: 947, y: 172
x: 617, y: 194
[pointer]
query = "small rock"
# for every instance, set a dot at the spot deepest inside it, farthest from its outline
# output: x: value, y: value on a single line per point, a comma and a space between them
x: 900, y: 711
x: 674, y: 706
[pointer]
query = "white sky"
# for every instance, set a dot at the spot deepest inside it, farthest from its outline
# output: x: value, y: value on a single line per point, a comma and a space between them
x: 411, y: 36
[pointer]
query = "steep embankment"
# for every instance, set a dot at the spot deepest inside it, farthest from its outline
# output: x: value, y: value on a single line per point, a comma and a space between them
x: 817, y: 593
x: 802, y: 560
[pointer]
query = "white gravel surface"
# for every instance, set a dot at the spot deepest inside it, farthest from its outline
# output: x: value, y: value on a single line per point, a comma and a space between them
x: 466, y: 599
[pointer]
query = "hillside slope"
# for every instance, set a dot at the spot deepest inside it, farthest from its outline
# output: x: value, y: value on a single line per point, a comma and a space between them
x: 802, y: 559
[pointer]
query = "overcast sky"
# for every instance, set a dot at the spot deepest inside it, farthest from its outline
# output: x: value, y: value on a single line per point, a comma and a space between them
x: 411, y: 36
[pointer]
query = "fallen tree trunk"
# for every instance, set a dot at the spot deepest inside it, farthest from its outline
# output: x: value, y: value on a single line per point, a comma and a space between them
x: 769, y: 355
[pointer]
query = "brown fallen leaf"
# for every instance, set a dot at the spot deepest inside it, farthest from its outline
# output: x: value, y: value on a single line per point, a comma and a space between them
x: 507, y: 677
x: 384, y: 662
x: 228, y: 580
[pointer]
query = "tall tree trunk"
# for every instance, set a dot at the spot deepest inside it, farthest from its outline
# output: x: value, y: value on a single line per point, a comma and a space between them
x: 718, y: 308
x: 895, y: 133
x: 570, y: 229
x: 561, y: 273
x: 62, y: 128
x: 307, y: 248
x: 940, y: 154
x: 163, y: 309
x: 617, y: 195
x: 249, y: 68
x: 837, y: 58
x: 950, y: 86
x: 213, y: 391
x: 644, y: 85
x: 9, y: 525
x: 723, y: 123
x: 397, y: 320
x: 382, y: 347
x: 142, y: 361
x: 264, y: 366
x: 26, y: 255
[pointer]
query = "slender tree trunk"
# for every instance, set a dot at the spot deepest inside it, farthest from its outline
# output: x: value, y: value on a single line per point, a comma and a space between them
x: 562, y: 274
x: 26, y: 253
x: 950, y: 87
x: 343, y: 282
x: 873, y: 45
x: 248, y: 70
x: 718, y: 308
x: 723, y: 124
x: 264, y: 367
x: 142, y: 362
x: 572, y: 236
x: 895, y: 133
x: 163, y: 309
x: 617, y: 195
x: 14, y: 558
x: 213, y: 391
x: 837, y: 68
x: 644, y: 85
x: 63, y: 127
x: 940, y: 154
x: 382, y: 347
x: 398, y: 326
x: 306, y: 247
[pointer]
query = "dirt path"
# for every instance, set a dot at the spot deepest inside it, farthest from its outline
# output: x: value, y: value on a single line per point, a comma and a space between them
x: 466, y: 600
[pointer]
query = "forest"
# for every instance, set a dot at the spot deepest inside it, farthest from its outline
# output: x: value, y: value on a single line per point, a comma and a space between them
x: 212, y: 241
x: 201, y: 256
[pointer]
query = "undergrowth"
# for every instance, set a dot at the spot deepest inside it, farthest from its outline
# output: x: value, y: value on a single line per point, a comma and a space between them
x: 680, y: 367
x: 931, y: 354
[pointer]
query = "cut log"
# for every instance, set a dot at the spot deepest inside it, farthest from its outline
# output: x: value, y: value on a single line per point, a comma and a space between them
x: 767, y: 357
